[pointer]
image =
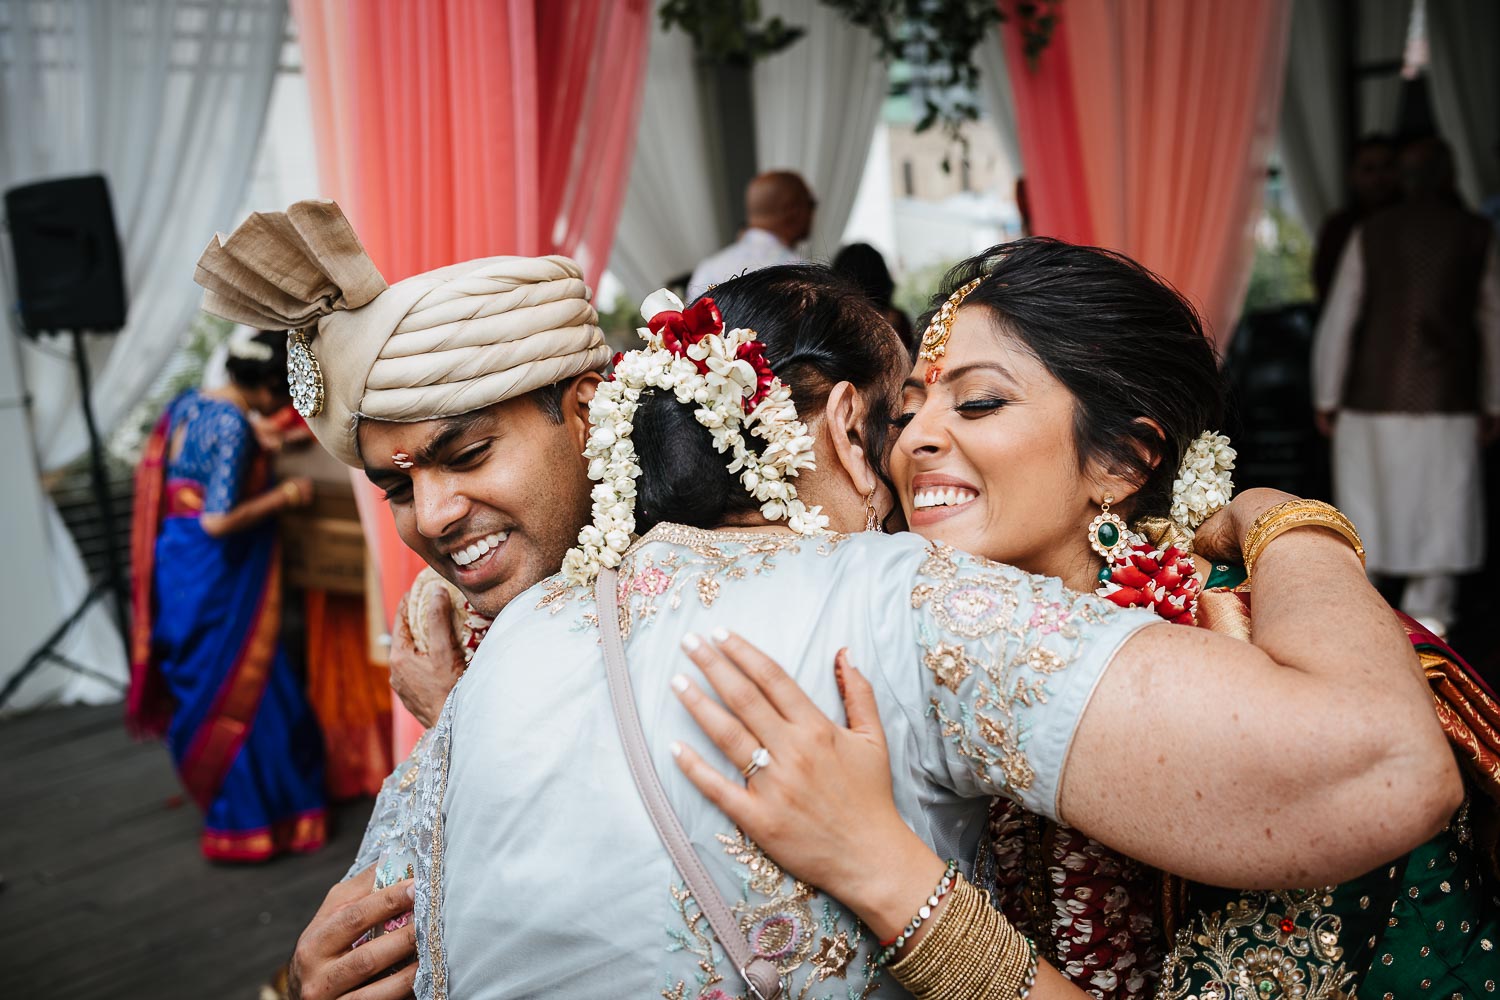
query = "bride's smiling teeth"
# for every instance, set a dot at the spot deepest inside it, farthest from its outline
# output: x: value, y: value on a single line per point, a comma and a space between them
x: 947, y: 497
x: 474, y: 551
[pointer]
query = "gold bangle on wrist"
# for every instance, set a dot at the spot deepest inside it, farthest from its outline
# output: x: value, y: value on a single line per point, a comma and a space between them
x: 1298, y: 514
x: 971, y: 953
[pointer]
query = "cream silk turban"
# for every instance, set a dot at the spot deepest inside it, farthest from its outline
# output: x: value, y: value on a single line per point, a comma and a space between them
x: 436, y: 345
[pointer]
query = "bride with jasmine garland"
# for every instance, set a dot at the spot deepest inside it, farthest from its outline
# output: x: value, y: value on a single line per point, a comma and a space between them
x: 1039, y: 701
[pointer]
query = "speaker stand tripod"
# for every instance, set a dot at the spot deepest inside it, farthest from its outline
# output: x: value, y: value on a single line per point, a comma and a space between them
x: 113, y: 583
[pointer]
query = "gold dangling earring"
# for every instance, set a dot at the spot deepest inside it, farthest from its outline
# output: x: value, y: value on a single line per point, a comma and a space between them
x: 872, y: 517
x: 1107, y: 536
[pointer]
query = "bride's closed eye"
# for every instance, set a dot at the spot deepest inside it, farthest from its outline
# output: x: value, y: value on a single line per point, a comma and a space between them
x: 980, y: 407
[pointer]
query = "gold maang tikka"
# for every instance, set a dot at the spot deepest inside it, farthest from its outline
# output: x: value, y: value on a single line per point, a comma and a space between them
x: 935, y: 340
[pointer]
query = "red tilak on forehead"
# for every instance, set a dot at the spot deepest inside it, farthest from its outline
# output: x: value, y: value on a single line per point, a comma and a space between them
x: 403, y: 460
x: 934, y: 373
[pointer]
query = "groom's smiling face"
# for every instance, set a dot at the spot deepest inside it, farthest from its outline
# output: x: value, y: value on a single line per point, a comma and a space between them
x: 490, y: 499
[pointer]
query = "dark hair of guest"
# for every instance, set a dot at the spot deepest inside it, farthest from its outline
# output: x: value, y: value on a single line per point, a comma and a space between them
x: 818, y: 331
x: 1124, y: 343
x: 252, y: 373
x: 863, y: 265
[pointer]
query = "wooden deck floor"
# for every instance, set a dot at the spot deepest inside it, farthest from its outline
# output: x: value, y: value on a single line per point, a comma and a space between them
x: 104, y: 893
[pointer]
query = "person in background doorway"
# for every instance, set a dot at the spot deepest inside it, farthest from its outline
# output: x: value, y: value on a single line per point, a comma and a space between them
x: 1406, y: 377
x: 1373, y: 185
x: 863, y: 265
x: 779, y: 210
x: 208, y: 670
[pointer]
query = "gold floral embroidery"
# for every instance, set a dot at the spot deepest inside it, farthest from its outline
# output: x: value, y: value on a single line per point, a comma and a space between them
x: 697, y: 939
x: 780, y: 927
x: 949, y: 666
x: 1007, y: 658
x: 833, y: 956
x: 650, y: 582
x: 556, y: 593
x: 1269, y: 945
x: 765, y: 875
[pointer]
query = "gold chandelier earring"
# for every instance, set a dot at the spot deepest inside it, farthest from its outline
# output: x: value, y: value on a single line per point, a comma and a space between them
x: 1107, y: 536
x: 872, y: 516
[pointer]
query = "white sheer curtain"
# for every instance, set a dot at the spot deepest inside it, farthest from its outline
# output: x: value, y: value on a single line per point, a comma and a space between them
x: 816, y: 105
x: 667, y: 224
x: 1465, y: 71
x: 167, y: 99
x: 995, y: 96
x: 1312, y: 118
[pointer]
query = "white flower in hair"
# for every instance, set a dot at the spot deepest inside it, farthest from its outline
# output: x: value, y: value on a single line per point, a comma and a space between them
x: 1203, y: 483
x: 725, y: 378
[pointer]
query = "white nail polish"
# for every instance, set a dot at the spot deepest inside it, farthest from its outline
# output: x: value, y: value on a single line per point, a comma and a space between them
x: 676, y: 749
x: 679, y: 683
x: 720, y: 634
x: 690, y: 641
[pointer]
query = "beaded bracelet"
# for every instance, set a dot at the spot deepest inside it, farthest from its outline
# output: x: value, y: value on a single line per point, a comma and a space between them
x: 971, y: 952
x: 1031, y: 966
x: 888, y: 949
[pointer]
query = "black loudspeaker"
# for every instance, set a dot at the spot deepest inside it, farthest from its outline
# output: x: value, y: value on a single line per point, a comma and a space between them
x: 67, y: 255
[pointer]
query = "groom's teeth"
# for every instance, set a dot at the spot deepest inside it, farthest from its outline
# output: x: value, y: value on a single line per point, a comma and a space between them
x: 951, y: 497
x: 476, y: 550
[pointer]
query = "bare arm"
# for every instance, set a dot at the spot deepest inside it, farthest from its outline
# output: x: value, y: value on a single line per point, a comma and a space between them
x: 1319, y: 741
x: 288, y: 494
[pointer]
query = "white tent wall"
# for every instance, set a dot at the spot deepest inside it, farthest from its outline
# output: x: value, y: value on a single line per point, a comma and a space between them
x: 666, y: 222
x: 816, y: 107
x: 1312, y: 120
x: 1465, y: 40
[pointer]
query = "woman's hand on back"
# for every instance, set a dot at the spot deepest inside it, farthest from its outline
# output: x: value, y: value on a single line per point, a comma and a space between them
x: 822, y: 807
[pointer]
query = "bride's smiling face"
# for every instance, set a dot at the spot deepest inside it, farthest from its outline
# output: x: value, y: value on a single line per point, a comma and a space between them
x: 986, y: 459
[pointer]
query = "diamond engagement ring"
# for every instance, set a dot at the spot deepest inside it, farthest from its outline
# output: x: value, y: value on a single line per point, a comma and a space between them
x: 761, y: 758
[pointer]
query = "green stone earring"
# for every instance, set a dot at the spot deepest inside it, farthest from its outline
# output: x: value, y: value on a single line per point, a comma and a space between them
x: 1107, y: 535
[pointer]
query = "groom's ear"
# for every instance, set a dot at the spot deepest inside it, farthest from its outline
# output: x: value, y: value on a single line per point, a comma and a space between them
x: 844, y: 423
x: 576, y: 396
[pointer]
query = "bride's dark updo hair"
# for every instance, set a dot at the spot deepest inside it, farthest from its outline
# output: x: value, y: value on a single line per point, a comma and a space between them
x: 1123, y: 342
x: 818, y: 331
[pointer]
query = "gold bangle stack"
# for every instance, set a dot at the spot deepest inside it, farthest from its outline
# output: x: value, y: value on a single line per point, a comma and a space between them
x: 971, y: 953
x: 1298, y: 514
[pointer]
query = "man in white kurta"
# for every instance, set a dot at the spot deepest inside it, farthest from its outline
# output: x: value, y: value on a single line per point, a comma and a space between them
x: 1406, y: 373
x: 545, y: 876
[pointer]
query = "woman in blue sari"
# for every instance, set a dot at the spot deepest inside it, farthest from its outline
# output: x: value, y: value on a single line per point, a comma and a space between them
x: 208, y: 669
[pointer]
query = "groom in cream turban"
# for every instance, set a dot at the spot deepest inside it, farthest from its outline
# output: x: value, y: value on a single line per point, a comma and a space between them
x: 462, y: 393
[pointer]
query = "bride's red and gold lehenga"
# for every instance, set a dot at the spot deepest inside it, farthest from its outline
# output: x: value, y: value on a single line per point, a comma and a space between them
x: 1427, y: 924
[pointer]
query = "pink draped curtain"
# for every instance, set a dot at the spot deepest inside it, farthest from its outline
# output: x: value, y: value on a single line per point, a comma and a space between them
x: 454, y: 129
x: 1146, y: 125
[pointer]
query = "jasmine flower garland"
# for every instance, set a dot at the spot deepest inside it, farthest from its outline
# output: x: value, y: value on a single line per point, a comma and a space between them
x: 724, y: 376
